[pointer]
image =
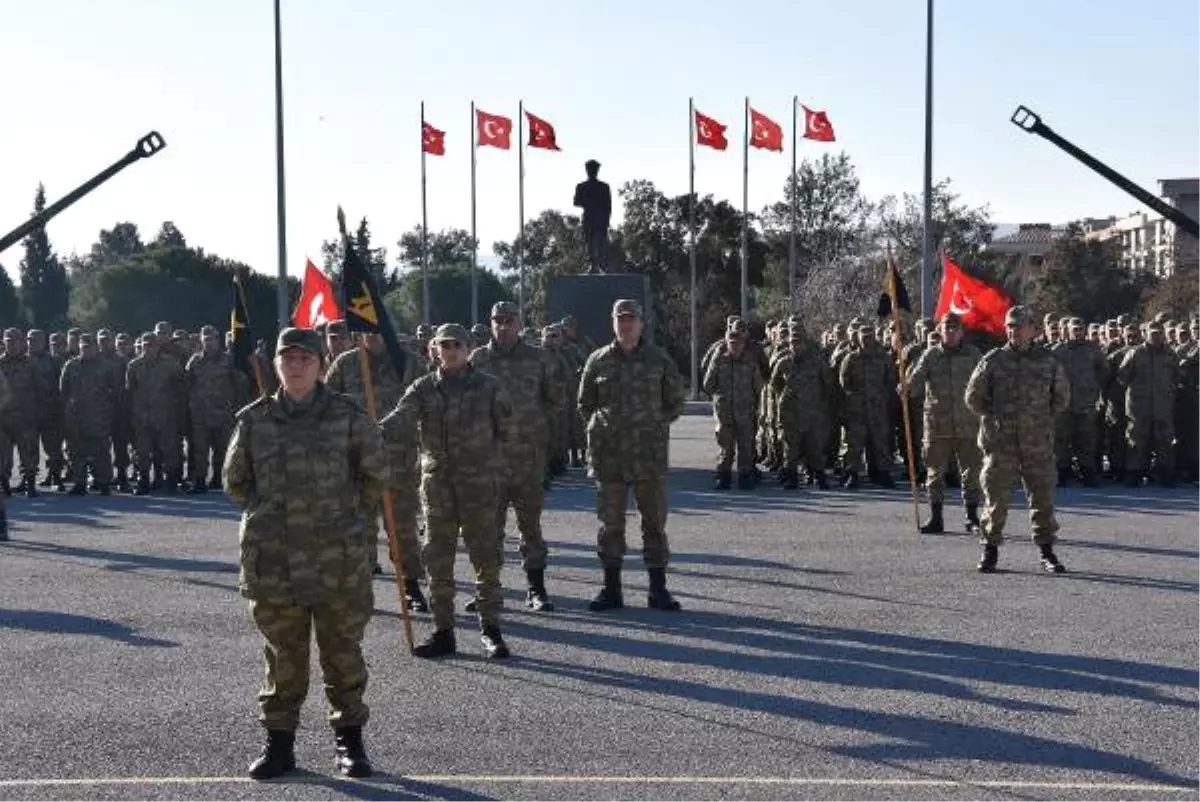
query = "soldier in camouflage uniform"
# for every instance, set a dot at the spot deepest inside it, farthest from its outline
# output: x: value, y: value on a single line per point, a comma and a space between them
x: 1075, y: 435
x: 1150, y: 375
x: 48, y: 371
x: 122, y: 426
x: 5, y: 398
x: 1187, y: 404
x: 1114, y: 399
x: 950, y: 429
x: 802, y: 381
x: 532, y: 385
x: 734, y: 383
x: 73, y: 335
x: 306, y: 464
x: 58, y: 347
x: 868, y: 379
x: 1017, y: 391
x: 576, y: 438
x: 458, y: 416
x: 912, y: 354
x: 19, y: 421
x: 629, y: 395
x: 345, y: 376
x: 481, y: 335
x: 89, y: 390
x: 560, y: 426
x: 337, y: 340
x: 215, y: 391
x: 573, y: 334
x: 154, y: 382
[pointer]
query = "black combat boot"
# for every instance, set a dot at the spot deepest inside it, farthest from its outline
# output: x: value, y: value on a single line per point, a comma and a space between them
x: 439, y: 644
x: 1166, y: 478
x: 819, y: 478
x: 278, y: 756
x: 1089, y: 479
x: 198, y: 487
x: 122, y: 482
x: 609, y: 597
x: 1050, y: 562
x: 78, y: 489
x: 536, y: 598
x: 171, y: 484
x: 851, y: 480
x: 494, y: 647
x: 3, y: 523
x: 414, y: 597
x: 47, y: 480
x: 659, y: 598
x: 885, y: 479
x: 988, y: 560
x: 972, y: 518
x: 722, y: 480
x: 1064, y: 477
x: 30, y: 485
x: 1133, y: 479
x: 935, y: 525
x: 746, y: 481
x: 142, y: 488
x: 102, y: 488
x: 5, y: 487
x: 788, y: 478
x: 351, y: 760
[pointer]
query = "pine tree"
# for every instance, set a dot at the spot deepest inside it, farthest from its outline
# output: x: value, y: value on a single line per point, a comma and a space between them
x: 45, y: 293
x: 10, y: 305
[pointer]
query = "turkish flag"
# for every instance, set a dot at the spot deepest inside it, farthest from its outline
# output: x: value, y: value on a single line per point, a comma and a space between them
x: 541, y: 133
x: 817, y: 125
x: 765, y: 133
x: 981, y: 306
x: 432, y: 140
x: 710, y: 132
x: 494, y: 130
x: 317, y: 304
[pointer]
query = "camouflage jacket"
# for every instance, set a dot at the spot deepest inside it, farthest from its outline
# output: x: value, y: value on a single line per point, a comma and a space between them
x: 118, y: 366
x: 1017, y: 394
x: 47, y: 371
x: 155, y: 387
x: 1087, y: 369
x: 868, y: 378
x: 215, y: 389
x: 735, y: 386
x: 345, y: 376
x: 304, y: 474
x: 941, y: 376
x: 1150, y: 376
x: 532, y: 383
x: 628, y: 402
x: 802, y: 380
x: 89, y: 391
x: 25, y: 402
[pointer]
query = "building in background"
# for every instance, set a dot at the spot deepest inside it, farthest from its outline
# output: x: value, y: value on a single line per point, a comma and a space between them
x: 1148, y: 241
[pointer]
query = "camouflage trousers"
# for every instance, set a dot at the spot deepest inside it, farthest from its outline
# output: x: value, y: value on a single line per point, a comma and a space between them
x: 465, y: 508
x: 1114, y: 431
x: 938, y: 452
x: 157, y: 438
x: 206, y: 441
x: 521, y: 486
x: 1187, y: 434
x: 869, y: 431
x: 122, y: 441
x: 1148, y: 435
x: 24, y: 436
x: 89, y: 449
x: 804, y: 441
x: 50, y: 431
x: 612, y: 499
x: 1075, y: 437
x: 405, y: 504
x: 339, y: 625
x: 1000, y: 473
x: 735, y: 439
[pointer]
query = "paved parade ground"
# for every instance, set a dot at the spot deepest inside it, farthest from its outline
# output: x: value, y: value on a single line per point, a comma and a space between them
x: 825, y: 650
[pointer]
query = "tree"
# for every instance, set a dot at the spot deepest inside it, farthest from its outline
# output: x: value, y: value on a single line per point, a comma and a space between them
x: 10, y: 304
x: 1083, y: 278
x: 1176, y: 295
x: 45, y: 294
x: 375, y: 259
x: 553, y: 246
x: 169, y: 236
x: 446, y: 247
x: 115, y: 244
x: 449, y: 296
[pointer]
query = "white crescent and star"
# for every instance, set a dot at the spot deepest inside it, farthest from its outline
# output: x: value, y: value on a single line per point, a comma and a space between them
x: 492, y: 129
x: 316, y: 310
x: 960, y: 304
x: 702, y: 127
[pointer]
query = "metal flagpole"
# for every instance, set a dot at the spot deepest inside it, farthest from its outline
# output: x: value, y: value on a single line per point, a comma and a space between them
x: 281, y: 289
x: 692, y: 248
x: 745, y: 206
x: 521, y: 209
x: 927, y: 237
x: 424, y: 230
x: 792, y: 232
x: 474, y: 238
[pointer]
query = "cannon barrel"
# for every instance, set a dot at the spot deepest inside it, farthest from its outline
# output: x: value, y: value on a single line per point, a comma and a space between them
x: 146, y: 147
x: 1029, y: 121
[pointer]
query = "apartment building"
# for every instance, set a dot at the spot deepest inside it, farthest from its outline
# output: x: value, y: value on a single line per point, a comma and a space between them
x: 1150, y: 242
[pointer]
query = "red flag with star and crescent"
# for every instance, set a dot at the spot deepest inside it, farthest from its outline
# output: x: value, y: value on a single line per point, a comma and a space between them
x: 817, y: 126
x: 710, y: 133
x: 318, y: 303
x: 981, y: 306
x: 765, y: 133
x: 493, y: 130
x: 433, y: 141
x: 541, y: 133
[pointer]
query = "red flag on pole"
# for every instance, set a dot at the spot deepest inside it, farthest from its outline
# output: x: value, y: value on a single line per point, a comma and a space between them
x: 494, y: 130
x: 765, y: 133
x: 981, y: 306
x: 433, y: 141
x: 710, y: 132
x: 817, y: 125
x: 318, y: 303
x: 541, y: 133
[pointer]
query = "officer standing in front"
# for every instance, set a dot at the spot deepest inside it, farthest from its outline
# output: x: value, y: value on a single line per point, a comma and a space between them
x: 306, y: 463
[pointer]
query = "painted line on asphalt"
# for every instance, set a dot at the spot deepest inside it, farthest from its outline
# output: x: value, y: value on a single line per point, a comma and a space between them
x: 579, y: 779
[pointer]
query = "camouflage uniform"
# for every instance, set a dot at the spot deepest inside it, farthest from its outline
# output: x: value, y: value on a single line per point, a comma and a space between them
x: 1114, y: 410
x: 214, y: 389
x: 868, y: 379
x: 48, y: 373
x: 306, y: 472
x: 564, y: 377
x: 155, y: 387
x: 89, y: 390
x: 1187, y: 411
x: 949, y: 428
x: 122, y: 425
x: 803, y: 381
x: 734, y: 384
x: 19, y: 420
x: 1075, y: 434
x: 5, y: 397
x: 1150, y: 375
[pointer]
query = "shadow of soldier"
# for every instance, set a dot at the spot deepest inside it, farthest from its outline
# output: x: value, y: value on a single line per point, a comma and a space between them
x: 59, y: 623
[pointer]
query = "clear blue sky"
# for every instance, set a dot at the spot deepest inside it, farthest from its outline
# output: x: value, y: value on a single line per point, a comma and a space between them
x: 86, y: 78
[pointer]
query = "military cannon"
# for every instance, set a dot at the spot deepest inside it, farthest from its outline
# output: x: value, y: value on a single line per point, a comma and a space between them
x: 146, y: 147
x: 1028, y: 121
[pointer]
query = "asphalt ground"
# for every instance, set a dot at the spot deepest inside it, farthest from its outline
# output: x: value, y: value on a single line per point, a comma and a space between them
x: 825, y: 650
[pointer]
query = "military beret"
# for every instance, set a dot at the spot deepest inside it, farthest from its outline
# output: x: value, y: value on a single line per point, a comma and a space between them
x: 336, y: 328
x: 627, y: 307
x: 305, y: 339
x: 450, y: 331
x: 1160, y: 317
x: 180, y: 334
x: 1019, y: 315
x: 104, y: 334
x: 505, y: 309
x: 122, y: 338
x: 729, y: 321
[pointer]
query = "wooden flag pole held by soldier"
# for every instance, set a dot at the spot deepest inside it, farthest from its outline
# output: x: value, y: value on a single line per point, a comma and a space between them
x: 897, y: 344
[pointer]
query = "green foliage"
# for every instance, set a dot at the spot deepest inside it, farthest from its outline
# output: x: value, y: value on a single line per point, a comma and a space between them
x: 10, y: 304
x: 447, y: 247
x: 553, y: 246
x: 449, y: 296
x: 375, y: 259
x: 45, y: 293
x: 1083, y: 278
x: 1175, y: 295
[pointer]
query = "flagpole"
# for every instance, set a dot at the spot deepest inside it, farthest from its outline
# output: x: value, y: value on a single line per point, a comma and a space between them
x: 927, y: 234
x: 424, y: 230
x: 792, y: 231
x: 474, y: 238
x: 281, y: 288
x: 521, y: 209
x: 745, y: 206
x: 898, y: 346
x: 692, y: 248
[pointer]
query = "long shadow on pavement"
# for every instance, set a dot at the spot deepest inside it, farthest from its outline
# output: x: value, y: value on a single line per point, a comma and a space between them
x: 381, y: 786
x: 71, y: 624
x: 124, y: 560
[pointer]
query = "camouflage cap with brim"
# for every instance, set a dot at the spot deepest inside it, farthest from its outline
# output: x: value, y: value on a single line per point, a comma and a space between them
x: 627, y: 307
x: 504, y: 310
x: 1018, y: 315
x: 450, y: 332
x: 304, y: 339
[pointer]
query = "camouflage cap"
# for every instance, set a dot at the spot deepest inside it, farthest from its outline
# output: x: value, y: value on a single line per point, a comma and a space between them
x: 74, y: 332
x: 10, y: 332
x: 450, y: 331
x: 480, y: 330
x: 951, y: 320
x: 424, y: 330
x: 305, y: 339
x: 180, y: 334
x: 1048, y: 319
x: 1160, y: 317
x: 736, y: 329
x: 35, y: 333
x: 1124, y: 320
x: 729, y: 321
x: 1019, y: 315
x: 208, y: 331
x: 627, y: 307
x: 1154, y: 325
x: 104, y: 334
x: 336, y: 328
x: 122, y: 338
x: 502, y: 310
x: 1076, y: 323
x: 86, y: 339
x: 58, y: 337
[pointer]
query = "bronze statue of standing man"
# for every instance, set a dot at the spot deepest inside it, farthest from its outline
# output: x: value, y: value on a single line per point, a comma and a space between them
x: 595, y: 198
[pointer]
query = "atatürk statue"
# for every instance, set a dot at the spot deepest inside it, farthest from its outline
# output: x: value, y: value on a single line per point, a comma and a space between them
x: 595, y: 198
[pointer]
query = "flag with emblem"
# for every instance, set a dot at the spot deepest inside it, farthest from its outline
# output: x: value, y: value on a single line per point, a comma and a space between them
x: 362, y: 304
x: 318, y: 303
x: 709, y: 132
x: 239, y: 325
x: 765, y: 133
x: 493, y: 130
x: 541, y: 133
x: 981, y: 306
x: 433, y: 141
x: 817, y: 126
x: 895, y: 294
